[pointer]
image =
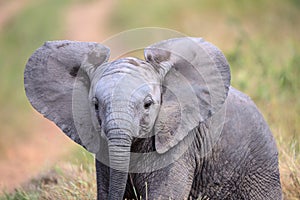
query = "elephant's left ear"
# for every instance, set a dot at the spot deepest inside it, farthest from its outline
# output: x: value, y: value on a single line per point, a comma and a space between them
x: 196, y: 79
x: 57, y: 81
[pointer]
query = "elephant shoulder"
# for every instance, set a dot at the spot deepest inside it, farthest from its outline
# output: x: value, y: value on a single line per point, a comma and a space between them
x: 236, y: 96
x: 240, y: 105
x: 244, y: 122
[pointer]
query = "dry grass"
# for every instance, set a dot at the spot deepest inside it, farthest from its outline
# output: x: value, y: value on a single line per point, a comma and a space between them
x: 289, y: 171
x: 64, y: 181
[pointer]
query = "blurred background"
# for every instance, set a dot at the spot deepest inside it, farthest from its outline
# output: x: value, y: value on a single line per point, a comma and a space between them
x: 261, y: 40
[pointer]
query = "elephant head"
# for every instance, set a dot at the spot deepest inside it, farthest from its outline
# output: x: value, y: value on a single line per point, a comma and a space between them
x: 182, y: 82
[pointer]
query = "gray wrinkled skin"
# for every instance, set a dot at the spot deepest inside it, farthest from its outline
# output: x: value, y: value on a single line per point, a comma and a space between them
x: 169, y: 127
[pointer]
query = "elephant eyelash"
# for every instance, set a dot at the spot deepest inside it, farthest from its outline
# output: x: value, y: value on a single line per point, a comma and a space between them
x: 96, y: 107
x: 147, y: 105
x: 148, y: 102
x: 96, y: 103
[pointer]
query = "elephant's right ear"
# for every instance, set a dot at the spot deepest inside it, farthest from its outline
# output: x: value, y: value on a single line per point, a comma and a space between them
x: 196, y: 79
x: 53, y: 73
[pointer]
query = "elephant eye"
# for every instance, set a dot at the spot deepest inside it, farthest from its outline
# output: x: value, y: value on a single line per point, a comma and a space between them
x: 96, y: 103
x: 148, y: 102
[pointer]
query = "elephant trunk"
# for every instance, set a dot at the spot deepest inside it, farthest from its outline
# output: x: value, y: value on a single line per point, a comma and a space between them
x: 119, y: 144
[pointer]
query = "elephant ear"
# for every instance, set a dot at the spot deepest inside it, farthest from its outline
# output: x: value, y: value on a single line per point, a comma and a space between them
x: 195, y: 79
x: 53, y: 73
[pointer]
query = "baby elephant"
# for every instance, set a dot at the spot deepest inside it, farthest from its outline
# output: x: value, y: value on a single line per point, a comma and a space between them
x: 167, y: 127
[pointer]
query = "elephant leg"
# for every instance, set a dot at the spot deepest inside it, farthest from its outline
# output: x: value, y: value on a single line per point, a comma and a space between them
x: 102, y: 174
x: 172, y: 182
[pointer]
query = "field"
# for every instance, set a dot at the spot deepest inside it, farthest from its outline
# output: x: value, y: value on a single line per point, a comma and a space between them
x: 259, y: 38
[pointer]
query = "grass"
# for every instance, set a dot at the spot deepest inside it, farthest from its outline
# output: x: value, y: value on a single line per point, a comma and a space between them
x: 289, y: 169
x: 72, y: 179
x: 259, y: 38
x: 64, y: 181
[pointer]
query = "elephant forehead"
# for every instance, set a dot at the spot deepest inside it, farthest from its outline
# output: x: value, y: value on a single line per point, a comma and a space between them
x: 121, y: 83
x: 124, y: 86
x: 127, y: 75
x: 132, y: 67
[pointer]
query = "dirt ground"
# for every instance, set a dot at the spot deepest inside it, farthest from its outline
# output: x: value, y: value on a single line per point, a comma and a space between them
x: 8, y: 9
x: 88, y: 22
x: 47, y: 145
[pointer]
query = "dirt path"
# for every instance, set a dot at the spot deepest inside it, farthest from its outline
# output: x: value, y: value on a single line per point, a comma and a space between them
x: 47, y: 145
x: 24, y: 160
x: 88, y: 22
x: 8, y: 9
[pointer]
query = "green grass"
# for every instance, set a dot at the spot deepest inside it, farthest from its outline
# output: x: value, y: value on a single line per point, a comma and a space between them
x: 20, y: 195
